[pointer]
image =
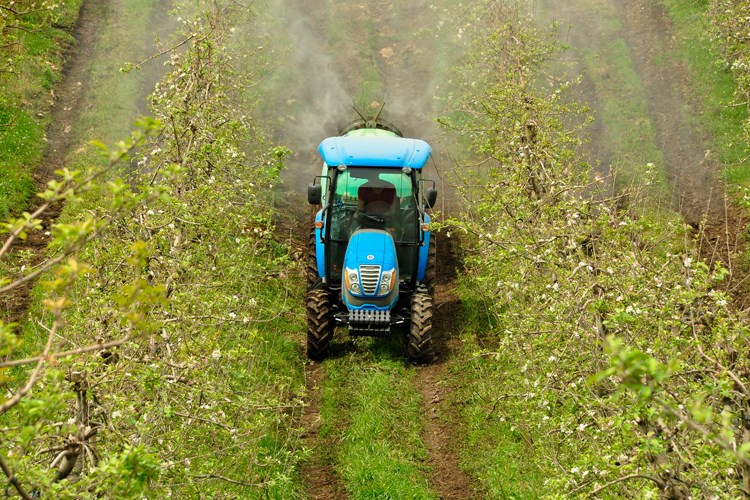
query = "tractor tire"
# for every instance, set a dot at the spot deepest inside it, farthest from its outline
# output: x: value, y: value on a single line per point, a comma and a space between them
x: 430, y: 274
x: 320, y: 324
x: 312, y: 263
x: 419, y: 338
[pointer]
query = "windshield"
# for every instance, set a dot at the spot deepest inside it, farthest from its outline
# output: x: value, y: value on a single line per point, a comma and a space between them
x: 376, y: 198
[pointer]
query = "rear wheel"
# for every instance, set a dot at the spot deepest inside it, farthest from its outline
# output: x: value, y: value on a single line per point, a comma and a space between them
x: 319, y: 324
x: 419, y: 338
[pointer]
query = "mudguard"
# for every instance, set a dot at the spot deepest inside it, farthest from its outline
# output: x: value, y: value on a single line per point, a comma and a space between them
x: 320, y: 249
x: 424, y: 251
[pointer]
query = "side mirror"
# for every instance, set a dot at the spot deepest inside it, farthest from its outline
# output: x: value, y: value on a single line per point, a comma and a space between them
x: 314, y: 194
x: 431, y: 197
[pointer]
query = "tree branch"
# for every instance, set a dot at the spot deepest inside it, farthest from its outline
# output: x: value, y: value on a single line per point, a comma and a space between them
x: 13, y: 479
x: 167, y: 51
x: 228, y: 480
x: 658, y: 482
x: 63, y: 354
x: 727, y: 446
x: 12, y: 237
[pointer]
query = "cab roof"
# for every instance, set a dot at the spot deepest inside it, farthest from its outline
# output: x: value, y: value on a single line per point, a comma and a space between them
x: 374, y: 151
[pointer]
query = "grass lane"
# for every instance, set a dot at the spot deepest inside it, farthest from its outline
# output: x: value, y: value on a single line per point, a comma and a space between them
x: 714, y: 84
x: 26, y: 97
x: 371, y: 414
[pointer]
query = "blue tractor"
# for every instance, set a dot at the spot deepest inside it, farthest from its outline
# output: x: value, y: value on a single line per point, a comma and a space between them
x: 372, y: 256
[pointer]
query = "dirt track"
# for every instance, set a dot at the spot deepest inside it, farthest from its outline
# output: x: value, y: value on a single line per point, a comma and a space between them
x: 692, y: 168
x: 70, y: 103
x: 434, y: 383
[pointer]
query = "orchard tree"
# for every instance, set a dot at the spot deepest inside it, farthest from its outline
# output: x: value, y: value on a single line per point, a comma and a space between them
x: 21, y: 17
x: 609, y: 343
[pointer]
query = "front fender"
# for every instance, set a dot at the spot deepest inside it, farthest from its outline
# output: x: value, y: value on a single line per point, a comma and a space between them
x: 320, y: 248
x: 424, y: 250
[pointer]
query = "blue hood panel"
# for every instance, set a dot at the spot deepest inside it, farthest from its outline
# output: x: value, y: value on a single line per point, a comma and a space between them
x: 371, y: 247
x: 375, y: 152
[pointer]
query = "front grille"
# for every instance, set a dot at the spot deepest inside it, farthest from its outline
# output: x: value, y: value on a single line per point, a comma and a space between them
x: 369, y: 276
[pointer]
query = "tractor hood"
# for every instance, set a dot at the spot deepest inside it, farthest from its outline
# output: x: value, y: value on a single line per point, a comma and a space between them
x: 370, y: 275
x: 371, y: 247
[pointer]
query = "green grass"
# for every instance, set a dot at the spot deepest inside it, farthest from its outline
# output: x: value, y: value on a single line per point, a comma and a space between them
x: 114, y: 97
x: 21, y: 147
x: 25, y: 101
x: 624, y: 114
x: 714, y: 85
x: 108, y: 115
x: 500, y: 457
x: 371, y: 409
x: 109, y: 108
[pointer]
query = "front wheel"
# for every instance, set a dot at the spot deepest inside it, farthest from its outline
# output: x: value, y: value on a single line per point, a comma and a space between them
x: 419, y: 338
x: 319, y: 324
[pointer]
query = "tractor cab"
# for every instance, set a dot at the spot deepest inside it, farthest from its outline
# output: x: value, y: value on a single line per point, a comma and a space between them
x: 372, y: 251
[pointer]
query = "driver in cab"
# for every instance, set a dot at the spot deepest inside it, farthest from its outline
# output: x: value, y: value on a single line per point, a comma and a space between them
x: 377, y: 200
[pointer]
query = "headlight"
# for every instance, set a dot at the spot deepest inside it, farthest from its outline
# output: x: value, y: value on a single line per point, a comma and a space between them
x: 352, y: 280
x: 351, y: 276
x: 387, y: 280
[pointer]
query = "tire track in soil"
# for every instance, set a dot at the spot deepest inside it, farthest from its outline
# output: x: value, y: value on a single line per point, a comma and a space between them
x: 320, y: 478
x: 65, y: 111
x: 318, y: 474
x: 439, y: 419
x: 693, y: 168
x: 643, y: 25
